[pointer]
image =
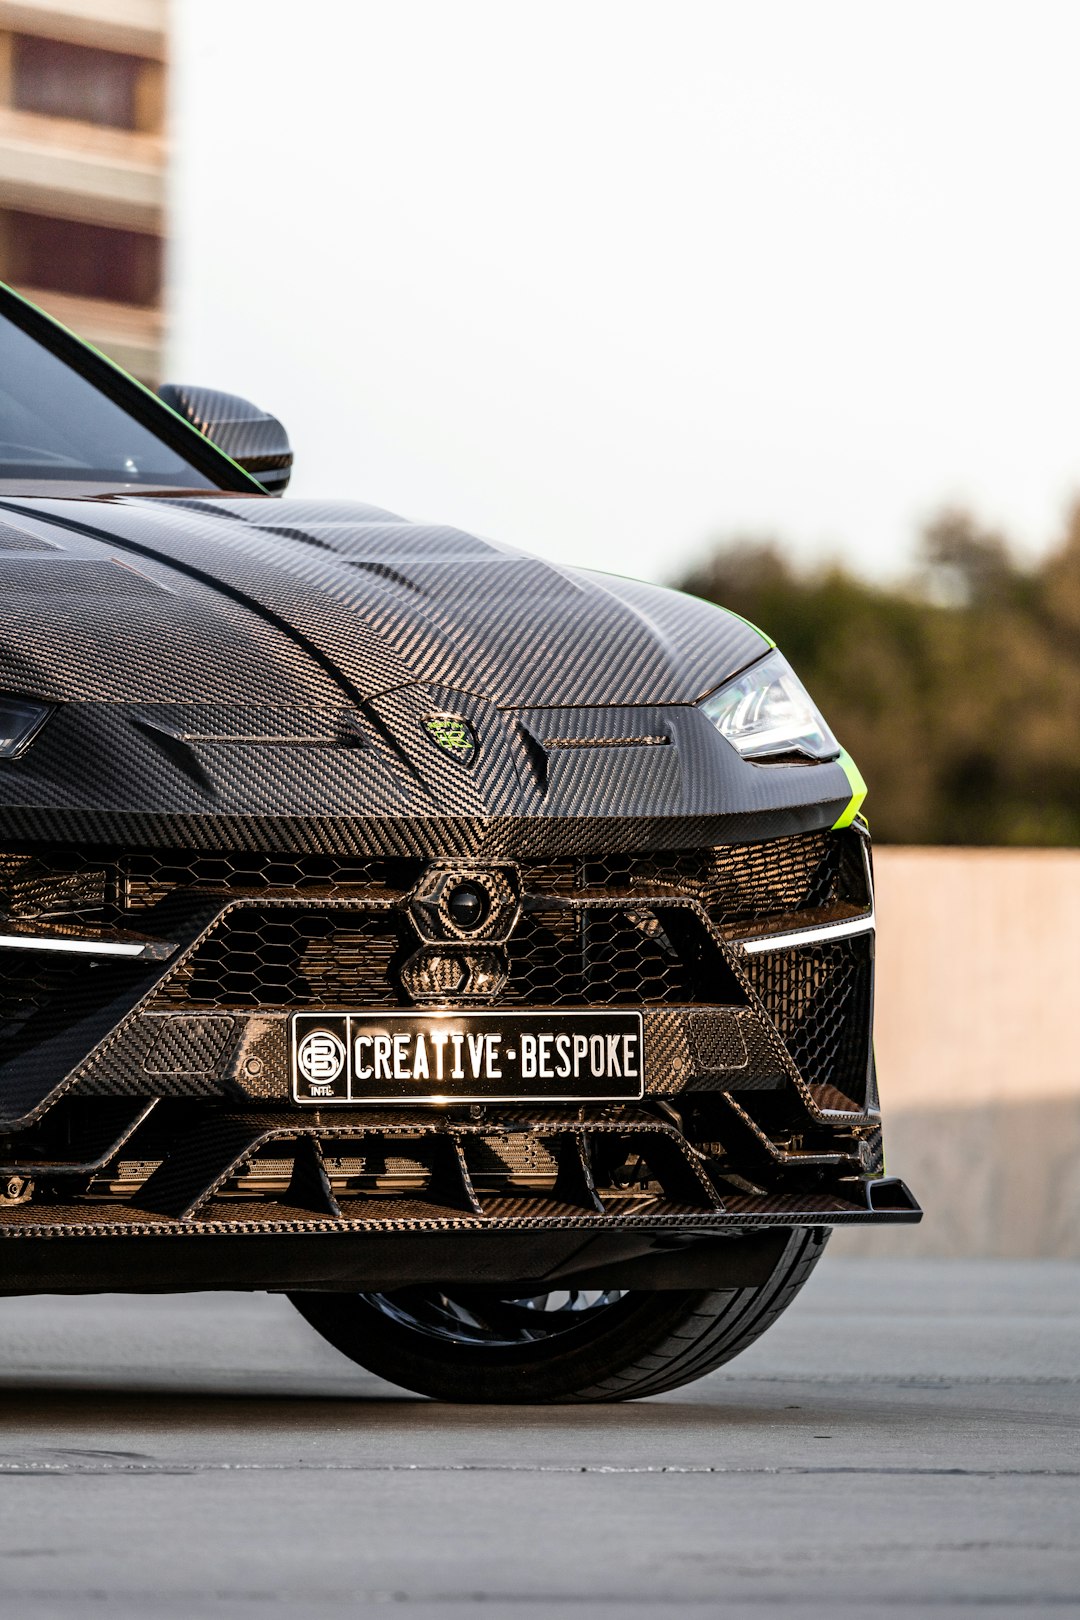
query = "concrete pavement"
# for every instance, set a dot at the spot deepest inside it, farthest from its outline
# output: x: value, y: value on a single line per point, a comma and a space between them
x: 906, y: 1441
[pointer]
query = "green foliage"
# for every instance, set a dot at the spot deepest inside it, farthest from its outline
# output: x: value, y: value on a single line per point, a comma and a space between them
x: 958, y: 693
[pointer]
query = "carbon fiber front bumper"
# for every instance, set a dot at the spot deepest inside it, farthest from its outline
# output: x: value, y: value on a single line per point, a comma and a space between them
x: 675, y: 1249
x: 148, y: 1108
x: 189, y: 1225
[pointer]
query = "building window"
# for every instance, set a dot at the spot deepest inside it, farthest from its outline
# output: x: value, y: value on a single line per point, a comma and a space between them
x: 84, y: 261
x: 75, y: 81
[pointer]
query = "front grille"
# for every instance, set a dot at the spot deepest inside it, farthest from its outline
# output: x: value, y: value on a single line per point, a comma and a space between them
x: 736, y: 883
x: 322, y: 931
x: 320, y: 957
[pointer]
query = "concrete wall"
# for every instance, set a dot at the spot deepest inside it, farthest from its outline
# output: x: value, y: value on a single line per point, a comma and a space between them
x: 978, y: 1046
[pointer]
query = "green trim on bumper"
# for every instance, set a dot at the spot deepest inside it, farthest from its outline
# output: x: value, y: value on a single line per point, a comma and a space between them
x: 858, y: 790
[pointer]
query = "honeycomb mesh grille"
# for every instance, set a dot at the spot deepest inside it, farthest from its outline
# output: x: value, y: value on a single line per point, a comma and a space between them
x: 746, y: 884
x: 818, y: 996
x: 286, y: 957
x: 601, y: 958
x: 743, y: 883
x: 321, y: 930
x: 114, y: 890
x: 281, y: 957
x: 29, y: 984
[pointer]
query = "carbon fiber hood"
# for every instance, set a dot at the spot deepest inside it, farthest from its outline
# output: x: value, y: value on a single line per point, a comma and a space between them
x: 269, y: 601
x: 266, y: 674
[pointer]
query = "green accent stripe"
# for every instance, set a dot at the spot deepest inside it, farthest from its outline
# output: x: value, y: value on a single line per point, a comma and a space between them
x: 749, y: 623
x: 858, y: 790
x: 768, y: 640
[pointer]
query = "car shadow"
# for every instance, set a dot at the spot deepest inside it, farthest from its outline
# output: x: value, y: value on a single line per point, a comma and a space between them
x: 93, y: 1407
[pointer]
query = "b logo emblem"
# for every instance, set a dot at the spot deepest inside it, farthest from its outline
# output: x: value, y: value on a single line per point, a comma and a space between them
x: 453, y: 735
x: 321, y: 1057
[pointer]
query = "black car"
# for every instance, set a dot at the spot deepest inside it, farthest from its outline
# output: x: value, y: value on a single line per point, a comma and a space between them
x: 477, y: 950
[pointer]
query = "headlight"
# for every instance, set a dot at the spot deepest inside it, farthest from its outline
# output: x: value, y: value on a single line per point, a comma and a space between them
x: 20, y: 722
x: 766, y: 712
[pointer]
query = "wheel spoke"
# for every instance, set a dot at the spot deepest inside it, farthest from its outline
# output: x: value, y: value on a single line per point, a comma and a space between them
x: 481, y: 1317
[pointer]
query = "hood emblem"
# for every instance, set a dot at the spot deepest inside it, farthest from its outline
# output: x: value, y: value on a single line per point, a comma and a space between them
x: 454, y: 736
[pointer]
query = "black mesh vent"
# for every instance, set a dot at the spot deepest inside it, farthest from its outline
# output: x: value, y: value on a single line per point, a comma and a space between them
x: 286, y: 957
x: 818, y: 996
x: 42, y: 995
x: 746, y: 883
x: 641, y: 939
x: 110, y: 890
x: 30, y: 984
x: 738, y: 882
x: 611, y: 957
x: 146, y: 879
x: 281, y: 957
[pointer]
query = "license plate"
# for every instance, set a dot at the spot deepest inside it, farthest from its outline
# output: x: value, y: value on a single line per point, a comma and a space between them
x: 467, y: 1057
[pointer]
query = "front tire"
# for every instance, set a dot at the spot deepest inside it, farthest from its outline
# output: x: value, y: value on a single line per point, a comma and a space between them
x: 477, y: 1345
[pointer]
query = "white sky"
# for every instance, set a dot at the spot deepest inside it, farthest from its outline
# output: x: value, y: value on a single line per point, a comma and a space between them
x: 605, y: 278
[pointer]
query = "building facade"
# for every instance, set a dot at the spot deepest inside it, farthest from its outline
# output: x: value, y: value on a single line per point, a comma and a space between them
x: 82, y: 167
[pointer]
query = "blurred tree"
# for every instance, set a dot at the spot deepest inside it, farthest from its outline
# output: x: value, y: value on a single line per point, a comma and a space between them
x: 958, y: 692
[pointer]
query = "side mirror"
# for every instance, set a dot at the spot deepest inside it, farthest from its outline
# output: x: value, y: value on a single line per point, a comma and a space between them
x: 253, y: 438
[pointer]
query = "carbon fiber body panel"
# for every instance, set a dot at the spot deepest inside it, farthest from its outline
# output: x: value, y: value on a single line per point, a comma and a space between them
x: 246, y: 785
x: 253, y: 438
x: 256, y: 674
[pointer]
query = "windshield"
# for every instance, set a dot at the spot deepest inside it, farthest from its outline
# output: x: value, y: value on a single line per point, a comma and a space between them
x: 55, y: 425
